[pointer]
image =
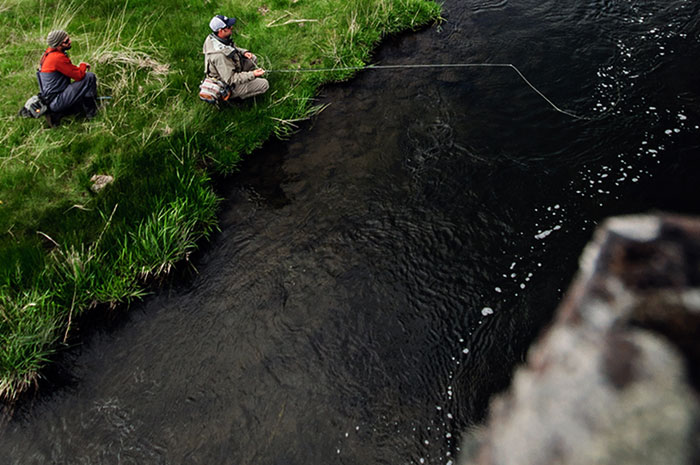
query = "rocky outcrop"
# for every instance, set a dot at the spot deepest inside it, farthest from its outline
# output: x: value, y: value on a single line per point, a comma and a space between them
x: 614, y: 380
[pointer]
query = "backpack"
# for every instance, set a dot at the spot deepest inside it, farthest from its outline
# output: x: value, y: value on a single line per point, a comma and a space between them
x: 214, y: 91
x: 34, y: 107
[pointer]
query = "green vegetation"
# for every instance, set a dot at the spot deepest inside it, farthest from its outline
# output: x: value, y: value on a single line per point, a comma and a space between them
x: 65, y: 249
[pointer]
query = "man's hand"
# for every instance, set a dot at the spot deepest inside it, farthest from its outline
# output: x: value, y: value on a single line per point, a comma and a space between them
x: 248, y: 55
x: 258, y: 72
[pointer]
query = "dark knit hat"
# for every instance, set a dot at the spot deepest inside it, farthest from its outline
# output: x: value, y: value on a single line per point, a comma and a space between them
x: 55, y: 38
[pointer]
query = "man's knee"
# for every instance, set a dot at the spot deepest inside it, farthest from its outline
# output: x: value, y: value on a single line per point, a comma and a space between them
x: 90, y: 79
x: 250, y: 89
x: 259, y: 86
x: 89, y: 82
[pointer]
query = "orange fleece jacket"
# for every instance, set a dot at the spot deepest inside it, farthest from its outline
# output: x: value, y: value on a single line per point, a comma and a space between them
x: 60, y: 62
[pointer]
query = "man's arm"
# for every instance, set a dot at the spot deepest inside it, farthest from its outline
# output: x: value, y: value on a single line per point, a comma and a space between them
x: 226, y: 72
x: 61, y: 63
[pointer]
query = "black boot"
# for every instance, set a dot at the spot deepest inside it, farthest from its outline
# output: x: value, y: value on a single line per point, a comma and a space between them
x: 53, y: 120
x: 90, y: 108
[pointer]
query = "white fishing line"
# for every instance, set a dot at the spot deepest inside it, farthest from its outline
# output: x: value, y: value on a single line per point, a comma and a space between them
x: 436, y: 65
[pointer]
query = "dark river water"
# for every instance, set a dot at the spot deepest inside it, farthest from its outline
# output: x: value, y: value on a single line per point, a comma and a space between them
x: 378, y: 276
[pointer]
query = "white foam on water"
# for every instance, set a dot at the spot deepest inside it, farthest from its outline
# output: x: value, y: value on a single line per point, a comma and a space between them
x: 543, y: 234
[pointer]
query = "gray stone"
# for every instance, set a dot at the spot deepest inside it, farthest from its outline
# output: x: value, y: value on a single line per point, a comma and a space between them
x: 614, y: 379
x: 100, y: 181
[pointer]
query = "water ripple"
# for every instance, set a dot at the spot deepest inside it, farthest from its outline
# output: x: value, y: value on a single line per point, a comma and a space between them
x: 487, y: 5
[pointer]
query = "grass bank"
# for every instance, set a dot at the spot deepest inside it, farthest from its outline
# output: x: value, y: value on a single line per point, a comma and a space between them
x: 65, y: 248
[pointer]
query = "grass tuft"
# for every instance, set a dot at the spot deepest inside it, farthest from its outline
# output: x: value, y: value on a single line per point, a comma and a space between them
x: 28, y: 324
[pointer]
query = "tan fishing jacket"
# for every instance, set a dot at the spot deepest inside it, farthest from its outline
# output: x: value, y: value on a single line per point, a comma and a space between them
x: 224, y: 62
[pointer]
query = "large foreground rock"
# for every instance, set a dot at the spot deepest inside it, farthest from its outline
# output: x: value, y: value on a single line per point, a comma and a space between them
x: 614, y: 380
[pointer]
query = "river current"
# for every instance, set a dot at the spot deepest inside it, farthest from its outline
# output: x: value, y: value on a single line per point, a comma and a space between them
x: 378, y: 276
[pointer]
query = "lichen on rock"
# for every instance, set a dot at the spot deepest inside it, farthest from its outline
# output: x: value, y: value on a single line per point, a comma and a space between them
x: 614, y: 379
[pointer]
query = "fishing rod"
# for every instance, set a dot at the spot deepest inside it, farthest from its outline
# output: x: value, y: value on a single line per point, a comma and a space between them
x: 434, y: 65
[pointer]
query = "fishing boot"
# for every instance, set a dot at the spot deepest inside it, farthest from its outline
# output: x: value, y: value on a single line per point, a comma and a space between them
x: 53, y: 120
x: 90, y: 108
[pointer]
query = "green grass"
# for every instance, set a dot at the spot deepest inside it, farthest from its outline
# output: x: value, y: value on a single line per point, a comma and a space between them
x: 65, y: 249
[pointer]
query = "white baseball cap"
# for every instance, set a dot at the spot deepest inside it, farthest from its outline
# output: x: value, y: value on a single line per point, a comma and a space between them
x: 220, y: 22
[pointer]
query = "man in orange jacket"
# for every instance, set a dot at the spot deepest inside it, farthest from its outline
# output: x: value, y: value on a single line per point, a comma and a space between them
x: 55, y: 74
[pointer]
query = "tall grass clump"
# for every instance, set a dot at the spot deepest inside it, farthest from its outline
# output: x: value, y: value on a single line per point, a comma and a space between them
x: 65, y: 247
x: 28, y: 326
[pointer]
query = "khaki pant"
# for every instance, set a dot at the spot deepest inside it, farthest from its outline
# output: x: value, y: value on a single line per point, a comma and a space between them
x: 251, y: 88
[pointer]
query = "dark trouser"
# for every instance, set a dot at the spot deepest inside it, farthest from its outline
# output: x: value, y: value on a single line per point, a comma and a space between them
x: 83, y: 92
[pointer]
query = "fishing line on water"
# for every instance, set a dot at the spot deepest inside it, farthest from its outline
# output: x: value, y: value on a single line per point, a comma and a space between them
x: 436, y: 65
